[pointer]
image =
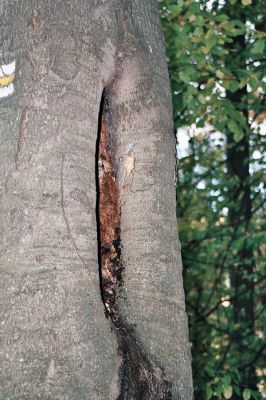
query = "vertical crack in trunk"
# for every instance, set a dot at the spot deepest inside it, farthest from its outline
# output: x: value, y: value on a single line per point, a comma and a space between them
x: 108, y: 216
x: 139, y: 377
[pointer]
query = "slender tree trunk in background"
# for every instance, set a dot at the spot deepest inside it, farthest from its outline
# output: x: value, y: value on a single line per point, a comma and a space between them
x: 241, y: 274
x: 56, y: 342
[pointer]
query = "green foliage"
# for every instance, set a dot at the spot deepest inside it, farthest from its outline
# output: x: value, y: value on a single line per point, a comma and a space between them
x: 198, y: 41
x: 246, y: 394
x: 216, y: 60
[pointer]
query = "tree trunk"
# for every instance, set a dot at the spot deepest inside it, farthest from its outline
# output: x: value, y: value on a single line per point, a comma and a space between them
x: 240, y: 212
x: 56, y: 342
x: 241, y: 274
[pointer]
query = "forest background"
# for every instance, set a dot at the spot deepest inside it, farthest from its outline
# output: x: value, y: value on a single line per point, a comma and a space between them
x: 216, y: 61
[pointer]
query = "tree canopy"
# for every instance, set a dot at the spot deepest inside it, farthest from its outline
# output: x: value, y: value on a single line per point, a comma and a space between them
x: 216, y: 60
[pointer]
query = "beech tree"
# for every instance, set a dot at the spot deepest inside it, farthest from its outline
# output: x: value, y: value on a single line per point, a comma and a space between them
x: 92, y: 303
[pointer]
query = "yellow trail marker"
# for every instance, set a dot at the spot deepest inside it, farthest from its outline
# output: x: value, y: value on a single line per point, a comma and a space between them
x: 7, y: 79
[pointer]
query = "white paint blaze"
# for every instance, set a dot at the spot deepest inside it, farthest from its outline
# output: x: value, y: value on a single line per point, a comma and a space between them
x: 7, y: 75
x: 6, y: 90
x: 7, y: 69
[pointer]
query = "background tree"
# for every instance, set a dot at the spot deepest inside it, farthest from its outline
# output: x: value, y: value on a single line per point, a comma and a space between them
x: 216, y: 62
x: 57, y: 59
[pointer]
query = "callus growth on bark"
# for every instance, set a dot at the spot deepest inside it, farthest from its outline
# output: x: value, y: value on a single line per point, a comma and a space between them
x: 138, y: 377
x: 72, y: 203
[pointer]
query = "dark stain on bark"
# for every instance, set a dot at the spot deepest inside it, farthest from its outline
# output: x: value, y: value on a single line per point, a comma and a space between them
x: 139, y: 377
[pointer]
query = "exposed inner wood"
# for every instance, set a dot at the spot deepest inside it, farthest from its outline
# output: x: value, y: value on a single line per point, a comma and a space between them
x: 109, y: 219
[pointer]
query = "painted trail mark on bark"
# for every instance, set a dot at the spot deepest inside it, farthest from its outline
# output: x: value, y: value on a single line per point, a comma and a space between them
x: 7, y: 76
x: 69, y: 233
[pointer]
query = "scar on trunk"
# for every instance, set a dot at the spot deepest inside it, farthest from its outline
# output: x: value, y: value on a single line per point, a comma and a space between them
x: 23, y: 133
x: 69, y: 233
x: 108, y: 216
x: 139, y: 377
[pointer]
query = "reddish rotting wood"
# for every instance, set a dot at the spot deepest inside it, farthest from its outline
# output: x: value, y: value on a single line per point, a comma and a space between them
x: 109, y: 219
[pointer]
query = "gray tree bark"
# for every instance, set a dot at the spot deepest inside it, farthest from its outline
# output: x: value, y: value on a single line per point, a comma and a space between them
x: 56, y: 342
